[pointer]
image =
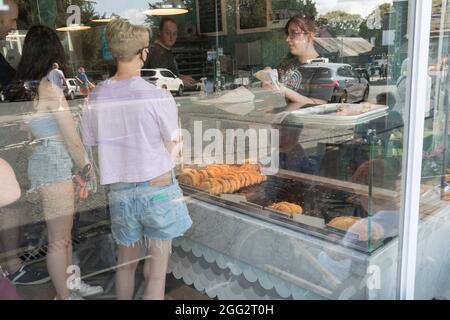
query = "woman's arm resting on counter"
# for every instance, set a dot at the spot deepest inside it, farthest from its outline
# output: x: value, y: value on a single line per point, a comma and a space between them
x: 293, y: 96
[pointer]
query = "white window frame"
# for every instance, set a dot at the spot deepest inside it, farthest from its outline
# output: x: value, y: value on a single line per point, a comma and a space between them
x: 419, y: 22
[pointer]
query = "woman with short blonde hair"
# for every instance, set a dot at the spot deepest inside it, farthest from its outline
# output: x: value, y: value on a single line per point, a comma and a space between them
x: 134, y: 123
x: 125, y: 39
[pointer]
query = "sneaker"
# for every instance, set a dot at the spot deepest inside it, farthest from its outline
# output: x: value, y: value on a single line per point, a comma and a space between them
x: 27, y: 276
x: 87, y: 290
x: 72, y: 296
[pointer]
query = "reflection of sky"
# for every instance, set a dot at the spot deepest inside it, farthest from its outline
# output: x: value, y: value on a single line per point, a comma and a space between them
x: 362, y: 7
x: 130, y: 9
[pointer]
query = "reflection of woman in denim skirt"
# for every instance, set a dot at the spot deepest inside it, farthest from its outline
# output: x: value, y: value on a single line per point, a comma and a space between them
x: 58, y: 153
x: 134, y: 124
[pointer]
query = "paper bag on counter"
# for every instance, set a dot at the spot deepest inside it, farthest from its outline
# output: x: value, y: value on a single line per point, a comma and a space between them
x: 269, y: 76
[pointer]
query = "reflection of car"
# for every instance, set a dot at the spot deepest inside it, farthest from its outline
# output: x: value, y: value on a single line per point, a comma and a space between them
x: 21, y: 90
x: 340, y: 82
x: 2, y: 94
x: 163, y: 78
x: 73, y: 89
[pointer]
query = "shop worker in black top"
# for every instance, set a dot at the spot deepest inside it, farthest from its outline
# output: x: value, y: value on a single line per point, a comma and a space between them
x: 8, y: 23
x: 161, y: 55
x: 300, y: 31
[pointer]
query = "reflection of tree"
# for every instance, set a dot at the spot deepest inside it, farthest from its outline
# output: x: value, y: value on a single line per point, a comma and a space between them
x: 85, y: 44
x: 252, y: 14
x: 340, y: 23
x: 285, y: 9
x: 368, y: 33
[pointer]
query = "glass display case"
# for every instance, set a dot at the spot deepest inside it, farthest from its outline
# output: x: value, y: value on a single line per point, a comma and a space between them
x: 321, y: 204
x: 291, y: 197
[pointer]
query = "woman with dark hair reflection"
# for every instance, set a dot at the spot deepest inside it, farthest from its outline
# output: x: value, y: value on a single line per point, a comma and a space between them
x: 58, y: 153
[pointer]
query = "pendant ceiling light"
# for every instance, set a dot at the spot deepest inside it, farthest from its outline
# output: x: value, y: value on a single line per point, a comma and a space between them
x: 102, y: 20
x: 73, y: 27
x: 167, y: 8
x: 106, y: 19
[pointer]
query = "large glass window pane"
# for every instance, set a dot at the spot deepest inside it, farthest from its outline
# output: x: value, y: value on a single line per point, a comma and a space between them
x: 432, y: 253
x: 291, y: 153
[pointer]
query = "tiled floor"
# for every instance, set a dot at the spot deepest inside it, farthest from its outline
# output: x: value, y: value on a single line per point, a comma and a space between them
x: 96, y: 254
x: 175, y: 289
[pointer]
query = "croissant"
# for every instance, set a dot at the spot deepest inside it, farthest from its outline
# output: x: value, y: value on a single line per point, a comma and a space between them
x: 191, y: 178
x: 250, y: 167
x: 214, y: 171
x: 343, y: 222
x: 203, y: 174
x: 225, y: 185
x: 361, y: 228
x: 286, y: 207
x: 212, y: 186
x: 446, y: 196
x: 234, y: 182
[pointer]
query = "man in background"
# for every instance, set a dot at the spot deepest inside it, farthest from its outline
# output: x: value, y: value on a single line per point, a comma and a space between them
x: 83, y: 81
x: 161, y: 55
x: 57, y: 77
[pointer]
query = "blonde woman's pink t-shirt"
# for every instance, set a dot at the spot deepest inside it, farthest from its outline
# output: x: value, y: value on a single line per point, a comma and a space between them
x: 129, y: 121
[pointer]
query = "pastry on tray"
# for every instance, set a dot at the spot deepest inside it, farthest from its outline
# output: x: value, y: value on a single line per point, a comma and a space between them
x: 344, y: 222
x: 352, y: 110
x: 287, y: 207
x: 361, y: 229
x: 446, y: 196
x: 222, y: 178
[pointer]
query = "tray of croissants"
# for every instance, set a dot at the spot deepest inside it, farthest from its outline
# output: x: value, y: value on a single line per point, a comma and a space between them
x: 229, y: 179
x: 223, y: 178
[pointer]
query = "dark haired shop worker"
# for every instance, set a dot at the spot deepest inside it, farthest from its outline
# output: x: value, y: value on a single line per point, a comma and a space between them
x: 161, y: 55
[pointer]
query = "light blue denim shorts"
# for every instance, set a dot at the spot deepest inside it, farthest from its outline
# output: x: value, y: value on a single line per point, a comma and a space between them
x: 50, y: 163
x: 142, y: 212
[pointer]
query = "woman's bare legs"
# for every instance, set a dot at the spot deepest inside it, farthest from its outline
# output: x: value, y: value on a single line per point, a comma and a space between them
x: 10, y: 222
x: 155, y: 269
x: 58, y: 206
x: 128, y: 260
